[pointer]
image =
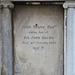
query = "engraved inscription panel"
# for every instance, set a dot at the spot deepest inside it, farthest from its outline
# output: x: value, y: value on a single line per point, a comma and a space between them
x: 38, y: 40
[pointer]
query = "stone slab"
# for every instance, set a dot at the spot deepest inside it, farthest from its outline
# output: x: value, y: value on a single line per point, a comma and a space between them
x: 38, y: 40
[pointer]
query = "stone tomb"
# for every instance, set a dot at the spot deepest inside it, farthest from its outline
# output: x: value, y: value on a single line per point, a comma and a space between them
x: 38, y: 39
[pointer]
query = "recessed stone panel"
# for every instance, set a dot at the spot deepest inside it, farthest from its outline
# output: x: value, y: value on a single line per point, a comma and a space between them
x: 38, y: 40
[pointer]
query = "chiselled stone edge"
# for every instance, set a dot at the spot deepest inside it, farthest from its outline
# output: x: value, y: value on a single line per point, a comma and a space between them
x: 4, y: 4
x: 69, y: 4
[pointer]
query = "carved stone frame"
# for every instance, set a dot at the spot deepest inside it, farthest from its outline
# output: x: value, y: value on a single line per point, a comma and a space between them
x: 6, y: 49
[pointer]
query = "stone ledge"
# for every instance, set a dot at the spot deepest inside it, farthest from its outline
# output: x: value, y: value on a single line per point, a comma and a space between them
x: 41, y: 0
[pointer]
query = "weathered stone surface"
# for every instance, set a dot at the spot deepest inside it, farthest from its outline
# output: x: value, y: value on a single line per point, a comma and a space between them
x: 0, y: 38
x: 38, y: 40
x: 6, y: 68
x: 70, y: 42
x: 70, y: 38
x: 7, y: 43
